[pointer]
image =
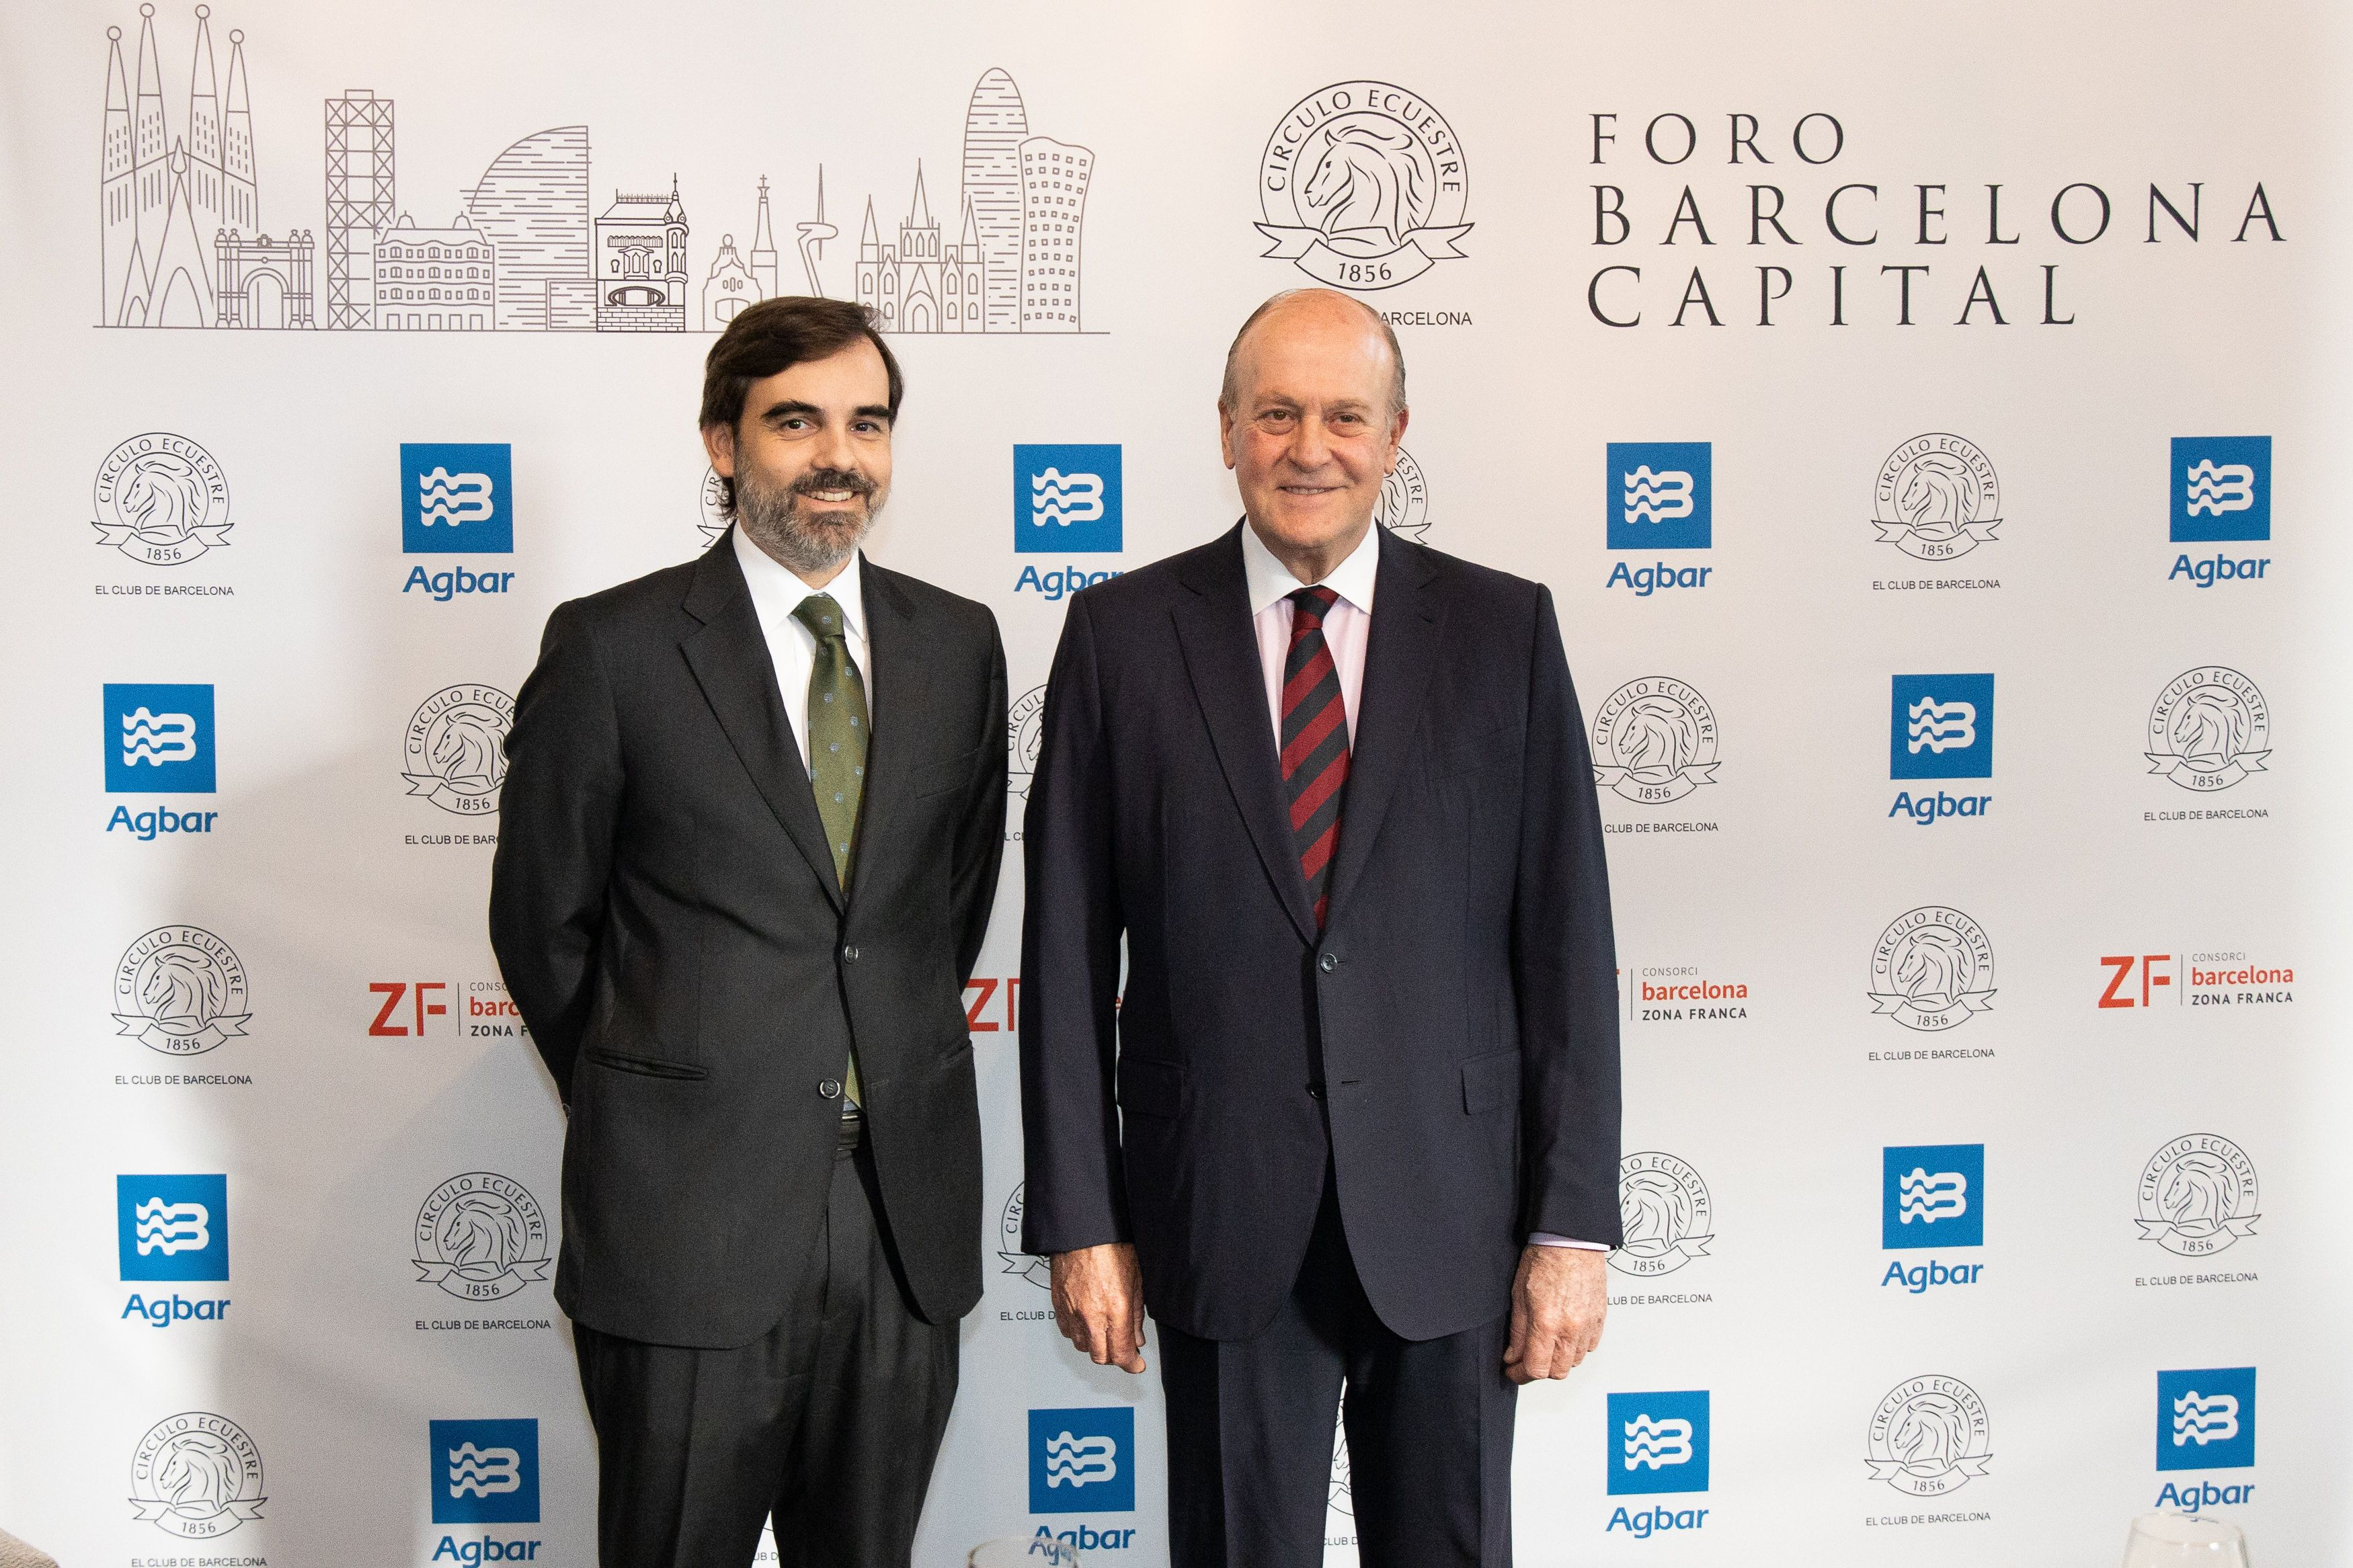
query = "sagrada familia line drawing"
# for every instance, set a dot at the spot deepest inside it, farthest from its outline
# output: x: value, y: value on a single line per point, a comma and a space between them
x: 180, y: 240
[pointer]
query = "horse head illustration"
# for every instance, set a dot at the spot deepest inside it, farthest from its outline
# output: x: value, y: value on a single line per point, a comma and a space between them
x: 2207, y: 728
x: 162, y: 498
x: 1930, y: 969
x: 1939, y: 497
x: 1657, y: 736
x: 1932, y: 1431
x: 469, y: 752
x: 1656, y: 1213
x: 181, y: 990
x: 1367, y: 179
x: 2197, y: 1193
x: 480, y: 1229
x: 198, y: 1469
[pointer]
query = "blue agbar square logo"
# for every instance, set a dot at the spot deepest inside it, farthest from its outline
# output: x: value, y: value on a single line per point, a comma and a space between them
x: 172, y: 1228
x: 2221, y: 488
x: 159, y: 740
x: 1659, y: 495
x: 1067, y: 500
x: 1082, y: 1461
x: 1932, y: 1194
x: 2206, y: 1419
x: 1941, y: 727
x: 457, y: 498
x: 1658, y: 1442
x: 485, y: 1472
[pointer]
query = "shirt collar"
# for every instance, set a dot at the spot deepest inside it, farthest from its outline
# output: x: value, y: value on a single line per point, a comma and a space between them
x: 1269, y: 581
x: 777, y: 592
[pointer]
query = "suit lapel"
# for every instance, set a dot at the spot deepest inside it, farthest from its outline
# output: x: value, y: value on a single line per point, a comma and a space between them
x: 1407, y: 618
x: 730, y: 660
x: 1220, y: 649
x: 899, y: 702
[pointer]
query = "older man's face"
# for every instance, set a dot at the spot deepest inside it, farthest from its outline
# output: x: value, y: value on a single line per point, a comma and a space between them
x: 1310, y: 436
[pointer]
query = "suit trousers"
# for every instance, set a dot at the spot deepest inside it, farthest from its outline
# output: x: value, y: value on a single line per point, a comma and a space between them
x: 1250, y: 1432
x: 830, y: 1421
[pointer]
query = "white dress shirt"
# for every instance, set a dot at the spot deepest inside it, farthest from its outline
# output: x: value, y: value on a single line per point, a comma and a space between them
x: 792, y: 647
x: 1348, y: 628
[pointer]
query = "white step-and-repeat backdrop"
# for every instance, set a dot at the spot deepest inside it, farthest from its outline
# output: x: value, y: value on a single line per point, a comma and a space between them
x: 1929, y: 420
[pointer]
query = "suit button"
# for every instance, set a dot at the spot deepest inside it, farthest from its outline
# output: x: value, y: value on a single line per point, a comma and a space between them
x: 1328, y: 963
x: 830, y: 1088
x: 1315, y: 1091
x: 849, y: 954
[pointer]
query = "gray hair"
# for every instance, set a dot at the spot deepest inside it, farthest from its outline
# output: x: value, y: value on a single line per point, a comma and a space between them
x: 1227, y: 392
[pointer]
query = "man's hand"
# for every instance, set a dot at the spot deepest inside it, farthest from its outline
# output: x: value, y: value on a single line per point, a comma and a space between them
x: 1558, y: 1300
x: 1098, y: 1303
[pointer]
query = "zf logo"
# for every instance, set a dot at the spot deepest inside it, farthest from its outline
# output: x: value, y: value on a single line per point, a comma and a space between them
x: 456, y: 499
x: 1659, y: 495
x: 2152, y: 978
x: 1066, y: 501
x: 1941, y: 727
x: 2221, y: 488
x: 2206, y: 1419
x: 172, y: 1228
x: 1082, y: 1461
x: 1932, y: 1194
x: 159, y: 740
x: 1658, y: 1442
x: 485, y: 1472
x: 420, y: 1009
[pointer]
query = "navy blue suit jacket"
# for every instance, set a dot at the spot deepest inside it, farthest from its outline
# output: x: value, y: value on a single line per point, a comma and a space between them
x: 1454, y: 1026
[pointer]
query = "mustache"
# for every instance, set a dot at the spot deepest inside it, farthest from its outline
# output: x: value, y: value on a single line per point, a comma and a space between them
x: 817, y: 480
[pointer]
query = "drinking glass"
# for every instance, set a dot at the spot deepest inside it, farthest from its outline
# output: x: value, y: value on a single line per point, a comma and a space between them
x: 2184, y: 1540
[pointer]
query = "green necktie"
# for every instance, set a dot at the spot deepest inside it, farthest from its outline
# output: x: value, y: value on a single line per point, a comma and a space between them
x: 837, y: 746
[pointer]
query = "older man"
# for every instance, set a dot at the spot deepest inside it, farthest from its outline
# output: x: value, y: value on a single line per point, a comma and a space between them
x: 1356, y: 1120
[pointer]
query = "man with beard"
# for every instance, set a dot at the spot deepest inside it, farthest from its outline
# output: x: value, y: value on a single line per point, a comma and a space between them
x: 750, y: 833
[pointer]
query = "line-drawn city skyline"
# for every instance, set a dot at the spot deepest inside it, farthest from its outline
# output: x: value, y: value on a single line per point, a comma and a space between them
x: 182, y: 242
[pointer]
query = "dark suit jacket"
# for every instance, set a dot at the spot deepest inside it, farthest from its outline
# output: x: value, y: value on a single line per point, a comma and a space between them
x: 668, y: 918
x: 1456, y: 1021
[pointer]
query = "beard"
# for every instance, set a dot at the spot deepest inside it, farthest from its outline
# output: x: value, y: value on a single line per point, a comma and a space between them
x: 798, y: 537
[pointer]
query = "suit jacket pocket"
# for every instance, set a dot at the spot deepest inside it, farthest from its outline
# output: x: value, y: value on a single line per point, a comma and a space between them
x: 938, y: 778
x: 1150, y: 1087
x: 644, y: 1066
x: 1489, y: 1082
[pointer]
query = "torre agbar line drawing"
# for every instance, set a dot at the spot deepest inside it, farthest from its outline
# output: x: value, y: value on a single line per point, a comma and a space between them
x: 1012, y: 261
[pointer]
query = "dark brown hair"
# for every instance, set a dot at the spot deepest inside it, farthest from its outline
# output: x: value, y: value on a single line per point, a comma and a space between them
x: 775, y: 335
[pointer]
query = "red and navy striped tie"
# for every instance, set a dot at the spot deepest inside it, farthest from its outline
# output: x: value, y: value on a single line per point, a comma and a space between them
x: 1315, y: 743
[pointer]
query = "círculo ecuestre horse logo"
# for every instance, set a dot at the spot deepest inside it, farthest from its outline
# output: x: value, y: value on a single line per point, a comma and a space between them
x: 2198, y: 1195
x: 481, y: 1238
x: 455, y: 748
x: 1928, y: 1436
x: 1654, y: 742
x: 1932, y: 969
x: 1363, y: 186
x: 1668, y: 1215
x: 160, y: 498
x: 1937, y: 497
x: 196, y: 1474
x: 180, y: 990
